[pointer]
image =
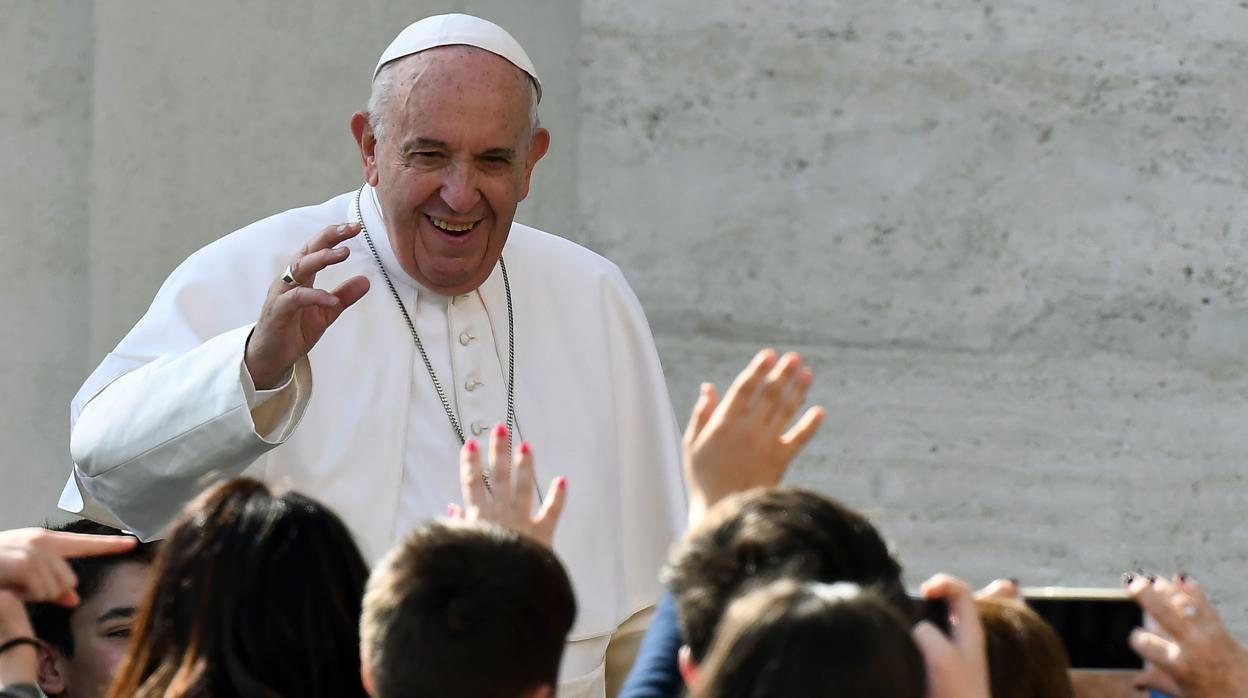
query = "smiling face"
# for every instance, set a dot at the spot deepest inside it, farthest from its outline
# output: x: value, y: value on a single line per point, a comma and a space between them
x: 455, y: 156
x: 101, y: 630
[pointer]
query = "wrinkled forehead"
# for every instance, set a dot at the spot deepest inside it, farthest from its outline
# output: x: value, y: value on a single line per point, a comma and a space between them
x: 460, y: 72
x: 460, y: 88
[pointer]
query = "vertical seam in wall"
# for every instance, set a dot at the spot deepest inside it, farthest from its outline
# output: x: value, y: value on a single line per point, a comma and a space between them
x: 88, y: 349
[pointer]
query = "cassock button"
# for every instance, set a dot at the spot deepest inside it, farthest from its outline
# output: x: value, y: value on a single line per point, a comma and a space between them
x: 479, y: 428
x: 466, y: 337
x: 472, y: 384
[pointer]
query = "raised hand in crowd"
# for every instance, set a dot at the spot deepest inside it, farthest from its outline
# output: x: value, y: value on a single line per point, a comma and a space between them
x: 295, y: 313
x: 957, y: 667
x: 33, y: 568
x: 1200, y: 658
x: 748, y: 439
x: 504, y: 496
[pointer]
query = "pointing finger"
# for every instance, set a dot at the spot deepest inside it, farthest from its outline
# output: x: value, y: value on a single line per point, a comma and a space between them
x: 88, y: 545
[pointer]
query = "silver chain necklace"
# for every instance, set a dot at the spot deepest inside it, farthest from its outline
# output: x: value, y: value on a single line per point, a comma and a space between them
x: 437, y: 385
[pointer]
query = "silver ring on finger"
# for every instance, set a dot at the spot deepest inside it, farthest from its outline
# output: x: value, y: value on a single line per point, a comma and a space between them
x: 288, y: 277
x: 1190, y: 612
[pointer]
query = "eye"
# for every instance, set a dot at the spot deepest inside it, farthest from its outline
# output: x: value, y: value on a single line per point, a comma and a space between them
x: 120, y: 633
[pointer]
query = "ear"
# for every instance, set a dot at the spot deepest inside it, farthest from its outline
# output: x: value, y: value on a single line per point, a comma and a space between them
x: 367, y: 141
x: 537, y: 148
x: 688, y: 667
x: 51, y: 670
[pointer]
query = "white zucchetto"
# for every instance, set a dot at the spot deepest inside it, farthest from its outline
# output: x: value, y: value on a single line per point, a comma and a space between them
x: 456, y: 30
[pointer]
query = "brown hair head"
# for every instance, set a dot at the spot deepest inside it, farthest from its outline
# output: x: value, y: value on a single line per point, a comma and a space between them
x: 473, y: 606
x: 252, y: 595
x: 1025, y: 656
x: 813, y: 639
x: 759, y: 536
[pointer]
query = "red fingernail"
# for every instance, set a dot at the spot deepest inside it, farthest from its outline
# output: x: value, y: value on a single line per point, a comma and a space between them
x: 562, y: 483
x: 500, y: 431
x: 471, y: 445
x: 524, y: 448
x: 450, y: 509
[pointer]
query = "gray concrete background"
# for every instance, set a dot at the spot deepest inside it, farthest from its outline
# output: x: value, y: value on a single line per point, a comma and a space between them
x: 1009, y: 237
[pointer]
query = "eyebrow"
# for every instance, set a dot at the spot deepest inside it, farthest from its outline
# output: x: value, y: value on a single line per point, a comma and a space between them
x: 417, y: 143
x: 117, y: 612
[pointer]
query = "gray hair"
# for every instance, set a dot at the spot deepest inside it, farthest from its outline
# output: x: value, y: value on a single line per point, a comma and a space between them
x: 383, y: 86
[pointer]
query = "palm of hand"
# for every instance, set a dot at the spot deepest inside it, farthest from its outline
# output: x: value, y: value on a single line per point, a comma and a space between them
x: 746, y: 441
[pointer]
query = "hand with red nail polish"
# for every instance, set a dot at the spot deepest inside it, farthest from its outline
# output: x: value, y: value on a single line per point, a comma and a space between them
x: 1200, y: 659
x: 749, y: 438
x: 508, y: 498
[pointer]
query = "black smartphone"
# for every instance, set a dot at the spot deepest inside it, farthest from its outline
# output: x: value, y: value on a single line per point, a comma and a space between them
x: 934, y: 611
x: 1094, y: 625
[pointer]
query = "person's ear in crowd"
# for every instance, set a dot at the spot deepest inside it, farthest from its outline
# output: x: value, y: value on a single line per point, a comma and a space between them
x: 34, y: 567
x: 469, y: 609
x: 748, y: 439
x: 505, y: 494
x: 83, y: 646
x: 252, y: 594
x: 762, y: 535
x: 957, y: 666
x: 1026, y: 658
x: 812, y: 639
x: 1193, y: 655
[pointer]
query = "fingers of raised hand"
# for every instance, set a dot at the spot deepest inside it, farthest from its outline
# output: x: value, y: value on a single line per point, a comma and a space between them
x: 548, y: 516
x: 471, y: 483
x: 1000, y: 589
x: 329, y: 236
x: 968, y: 634
x: 1156, y: 603
x: 1156, y: 649
x: 307, y: 266
x: 500, y: 472
x: 523, y: 477
x: 702, y: 411
x: 777, y: 385
x: 741, y: 393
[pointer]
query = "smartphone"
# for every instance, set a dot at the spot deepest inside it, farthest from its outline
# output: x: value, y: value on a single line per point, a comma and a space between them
x: 1094, y: 625
x: 934, y: 611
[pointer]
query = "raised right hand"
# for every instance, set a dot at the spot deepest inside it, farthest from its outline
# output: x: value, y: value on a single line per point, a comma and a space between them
x: 32, y: 561
x: 957, y: 666
x: 294, y: 317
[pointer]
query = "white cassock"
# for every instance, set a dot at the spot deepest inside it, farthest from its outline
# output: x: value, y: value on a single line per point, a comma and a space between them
x: 172, y: 406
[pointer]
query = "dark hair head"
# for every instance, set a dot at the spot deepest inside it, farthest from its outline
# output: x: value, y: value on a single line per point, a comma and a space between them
x: 252, y: 595
x: 473, y: 606
x: 51, y: 621
x: 759, y: 536
x: 1026, y: 658
x: 812, y: 639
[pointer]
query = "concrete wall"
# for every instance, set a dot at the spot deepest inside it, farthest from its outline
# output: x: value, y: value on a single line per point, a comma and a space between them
x: 1009, y: 237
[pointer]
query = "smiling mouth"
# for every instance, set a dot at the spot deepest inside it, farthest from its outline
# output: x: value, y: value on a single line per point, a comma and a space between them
x: 451, y: 227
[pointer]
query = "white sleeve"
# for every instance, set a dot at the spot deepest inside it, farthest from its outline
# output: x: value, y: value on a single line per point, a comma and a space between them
x: 153, y: 438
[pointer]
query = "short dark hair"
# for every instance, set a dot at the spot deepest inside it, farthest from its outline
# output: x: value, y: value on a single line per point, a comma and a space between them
x: 795, y: 639
x: 51, y: 621
x: 1026, y: 658
x: 761, y: 535
x: 471, y: 606
x: 253, y: 594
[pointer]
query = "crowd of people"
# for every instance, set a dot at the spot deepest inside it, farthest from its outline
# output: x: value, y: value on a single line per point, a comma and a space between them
x: 772, y: 591
x: 318, y: 564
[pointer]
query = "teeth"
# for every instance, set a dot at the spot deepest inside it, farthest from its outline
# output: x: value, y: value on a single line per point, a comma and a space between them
x: 451, y: 227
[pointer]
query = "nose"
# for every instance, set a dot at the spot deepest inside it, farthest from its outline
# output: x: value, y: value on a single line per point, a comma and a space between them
x: 459, y: 188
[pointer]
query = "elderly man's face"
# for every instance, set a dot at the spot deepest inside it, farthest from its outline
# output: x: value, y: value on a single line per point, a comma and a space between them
x: 453, y: 162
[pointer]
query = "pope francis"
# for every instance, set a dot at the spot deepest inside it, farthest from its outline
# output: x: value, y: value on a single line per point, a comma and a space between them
x: 423, y: 315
